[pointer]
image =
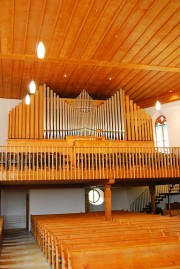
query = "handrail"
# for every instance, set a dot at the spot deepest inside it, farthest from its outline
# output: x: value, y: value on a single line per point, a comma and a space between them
x: 87, y: 162
x: 162, y: 189
x: 144, y: 199
x: 141, y: 201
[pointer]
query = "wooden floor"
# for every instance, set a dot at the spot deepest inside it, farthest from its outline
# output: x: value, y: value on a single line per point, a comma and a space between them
x: 21, y: 251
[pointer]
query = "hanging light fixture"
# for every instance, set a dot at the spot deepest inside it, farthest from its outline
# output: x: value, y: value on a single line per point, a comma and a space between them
x: 40, y: 50
x: 32, y: 87
x: 158, y: 105
x: 27, y: 99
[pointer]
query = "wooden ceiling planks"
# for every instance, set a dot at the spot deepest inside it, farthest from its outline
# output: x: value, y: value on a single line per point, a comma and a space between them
x: 147, y: 86
x: 100, y: 45
x: 158, y: 89
x: 165, y: 98
x: 93, y: 28
x: 157, y: 23
x: 6, y: 20
x: 104, y: 33
x: 158, y: 42
x: 17, y: 68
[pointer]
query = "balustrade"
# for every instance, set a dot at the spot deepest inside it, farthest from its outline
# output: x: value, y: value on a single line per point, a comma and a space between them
x: 87, y: 163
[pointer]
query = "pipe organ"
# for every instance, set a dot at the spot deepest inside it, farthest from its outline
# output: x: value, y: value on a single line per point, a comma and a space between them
x: 83, y: 139
x: 50, y: 117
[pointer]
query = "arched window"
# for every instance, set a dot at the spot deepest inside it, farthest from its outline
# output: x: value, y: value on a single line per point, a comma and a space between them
x: 161, y: 132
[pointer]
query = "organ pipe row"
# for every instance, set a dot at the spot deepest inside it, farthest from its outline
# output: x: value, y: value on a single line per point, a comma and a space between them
x: 50, y: 117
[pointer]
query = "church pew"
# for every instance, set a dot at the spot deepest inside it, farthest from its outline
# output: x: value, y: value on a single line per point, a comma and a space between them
x: 105, y: 235
x: 64, y: 217
x: 70, y: 228
x: 139, y: 222
x: 67, y: 223
x: 103, y: 243
x: 58, y: 229
x: 77, y: 232
x: 138, y: 226
x: 146, y: 226
x: 119, y: 218
x: 137, y: 256
x: 42, y: 231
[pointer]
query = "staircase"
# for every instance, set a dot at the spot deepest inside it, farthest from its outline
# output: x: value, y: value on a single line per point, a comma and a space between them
x: 143, y: 202
x: 175, y: 189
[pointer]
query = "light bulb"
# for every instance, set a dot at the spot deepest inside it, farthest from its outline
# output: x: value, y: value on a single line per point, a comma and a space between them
x: 40, y: 50
x: 158, y: 105
x: 32, y: 87
x: 27, y: 99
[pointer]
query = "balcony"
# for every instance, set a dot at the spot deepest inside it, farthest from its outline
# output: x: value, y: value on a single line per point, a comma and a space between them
x: 87, y: 163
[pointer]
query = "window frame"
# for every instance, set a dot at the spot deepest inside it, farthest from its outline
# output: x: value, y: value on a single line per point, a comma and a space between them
x: 161, y: 122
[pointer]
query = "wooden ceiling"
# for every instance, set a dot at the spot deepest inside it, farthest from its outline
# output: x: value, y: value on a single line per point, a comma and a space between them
x: 96, y: 45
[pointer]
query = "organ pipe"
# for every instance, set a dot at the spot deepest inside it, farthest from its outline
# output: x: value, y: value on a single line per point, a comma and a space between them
x: 117, y: 118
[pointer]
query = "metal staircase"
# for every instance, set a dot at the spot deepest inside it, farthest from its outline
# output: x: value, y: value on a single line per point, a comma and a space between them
x: 143, y: 202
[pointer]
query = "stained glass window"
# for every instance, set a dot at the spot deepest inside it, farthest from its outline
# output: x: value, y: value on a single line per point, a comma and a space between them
x: 161, y: 131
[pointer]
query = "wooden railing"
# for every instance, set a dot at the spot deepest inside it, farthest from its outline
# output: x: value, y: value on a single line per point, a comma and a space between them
x: 142, y: 202
x: 19, y: 163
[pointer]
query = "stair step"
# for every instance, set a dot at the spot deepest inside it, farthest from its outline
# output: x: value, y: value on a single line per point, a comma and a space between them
x: 172, y: 189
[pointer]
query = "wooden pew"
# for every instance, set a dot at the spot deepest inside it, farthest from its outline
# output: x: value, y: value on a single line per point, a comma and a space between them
x: 138, y: 224
x: 137, y: 256
x: 54, y: 232
x: 111, y: 242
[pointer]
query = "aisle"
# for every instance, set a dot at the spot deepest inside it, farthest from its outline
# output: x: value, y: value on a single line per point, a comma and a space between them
x: 21, y: 251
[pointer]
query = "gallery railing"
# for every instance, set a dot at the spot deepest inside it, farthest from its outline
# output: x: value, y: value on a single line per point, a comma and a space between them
x: 19, y: 163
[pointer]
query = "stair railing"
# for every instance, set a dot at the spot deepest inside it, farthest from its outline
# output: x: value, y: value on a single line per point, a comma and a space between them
x: 141, y: 201
x: 144, y: 200
x: 162, y: 189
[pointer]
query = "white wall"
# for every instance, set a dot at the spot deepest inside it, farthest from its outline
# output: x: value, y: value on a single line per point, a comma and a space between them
x: 122, y: 197
x: 41, y: 201
x: 13, y: 203
x: 133, y: 193
x: 53, y: 201
x: 13, y: 208
x: 172, y: 113
x: 119, y: 200
x: 5, y: 106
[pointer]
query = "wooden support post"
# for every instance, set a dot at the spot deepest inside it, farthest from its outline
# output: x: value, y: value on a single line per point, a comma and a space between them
x: 153, y: 204
x: 107, y: 202
x: 169, y: 205
x: 27, y: 211
x: 86, y: 200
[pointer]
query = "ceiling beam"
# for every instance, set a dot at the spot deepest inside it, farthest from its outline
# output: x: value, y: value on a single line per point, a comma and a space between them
x: 97, y: 63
